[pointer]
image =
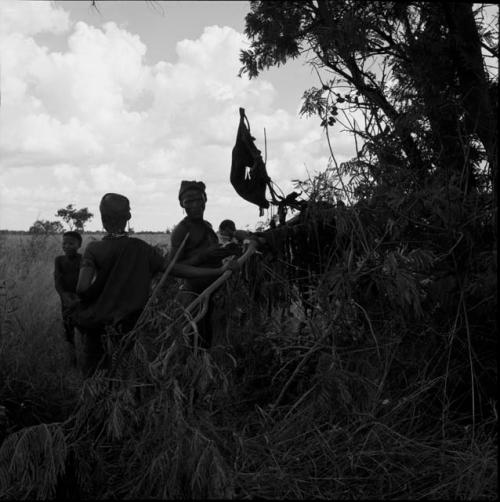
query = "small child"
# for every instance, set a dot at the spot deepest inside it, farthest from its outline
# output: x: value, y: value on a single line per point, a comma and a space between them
x: 230, y: 237
x: 226, y: 232
x: 66, y: 270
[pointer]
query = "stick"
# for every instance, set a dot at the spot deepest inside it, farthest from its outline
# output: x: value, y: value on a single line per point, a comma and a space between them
x: 252, y: 247
x: 204, y: 296
x: 162, y: 280
x: 164, y: 276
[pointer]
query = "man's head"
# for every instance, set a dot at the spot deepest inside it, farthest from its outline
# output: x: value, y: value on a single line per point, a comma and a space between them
x: 71, y: 242
x: 115, y: 212
x: 192, y: 197
x: 227, y: 228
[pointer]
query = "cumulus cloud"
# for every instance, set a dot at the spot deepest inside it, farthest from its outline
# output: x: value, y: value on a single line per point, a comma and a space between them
x: 30, y: 18
x: 95, y: 118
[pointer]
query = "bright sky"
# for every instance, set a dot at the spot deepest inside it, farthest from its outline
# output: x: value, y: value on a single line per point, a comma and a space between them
x: 135, y: 99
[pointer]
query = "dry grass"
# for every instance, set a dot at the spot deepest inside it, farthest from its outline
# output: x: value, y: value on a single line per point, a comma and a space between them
x: 275, y: 410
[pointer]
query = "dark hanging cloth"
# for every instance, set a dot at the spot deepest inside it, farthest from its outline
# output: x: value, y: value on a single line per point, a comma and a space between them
x: 248, y: 171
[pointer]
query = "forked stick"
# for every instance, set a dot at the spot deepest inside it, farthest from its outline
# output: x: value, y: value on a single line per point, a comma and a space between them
x: 204, y: 296
x: 252, y: 247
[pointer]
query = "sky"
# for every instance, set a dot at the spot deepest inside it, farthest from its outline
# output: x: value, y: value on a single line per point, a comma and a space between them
x: 135, y: 98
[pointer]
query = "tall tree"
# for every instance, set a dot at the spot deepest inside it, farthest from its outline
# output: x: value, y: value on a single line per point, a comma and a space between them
x: 430, y: 106
x: 425, y: 175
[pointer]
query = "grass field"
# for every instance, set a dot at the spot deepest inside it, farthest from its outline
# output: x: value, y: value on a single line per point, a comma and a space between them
x: 277, y: 409
x: 31, y: 338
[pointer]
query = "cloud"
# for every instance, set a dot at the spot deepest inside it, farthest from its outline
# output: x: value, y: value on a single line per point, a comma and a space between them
x: 94, y: 117
x: 30, y: 18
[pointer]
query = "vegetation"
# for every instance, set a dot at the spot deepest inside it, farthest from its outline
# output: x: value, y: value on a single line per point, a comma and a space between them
x: 46, y: 227
x: 286, y: 404
x: 75, y: 218
x: 426, y: 120
x: 423, y: 182
x: 356, y: 358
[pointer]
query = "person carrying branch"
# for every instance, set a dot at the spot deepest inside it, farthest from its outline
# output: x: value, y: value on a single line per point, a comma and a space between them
x: 114, y: 281
x: 201, y: 260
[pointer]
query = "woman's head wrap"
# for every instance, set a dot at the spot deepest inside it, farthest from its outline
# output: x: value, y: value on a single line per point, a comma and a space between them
x: 191, y: 185
x: 115, y: 205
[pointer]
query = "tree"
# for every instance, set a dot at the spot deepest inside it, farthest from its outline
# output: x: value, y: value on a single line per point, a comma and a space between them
x: 430, y: 107
x: 424, y: 179
x: 75, y: 218
x: 46, y: 227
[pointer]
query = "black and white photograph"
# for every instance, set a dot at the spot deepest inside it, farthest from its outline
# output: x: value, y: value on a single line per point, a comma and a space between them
x: 248, y: 250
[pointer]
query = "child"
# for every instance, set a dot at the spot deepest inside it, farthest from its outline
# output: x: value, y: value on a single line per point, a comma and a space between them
x: 226, y: 231
x: 66, y: 269
x: 114, y: 281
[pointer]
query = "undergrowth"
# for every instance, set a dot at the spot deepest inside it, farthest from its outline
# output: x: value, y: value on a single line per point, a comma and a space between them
x: 362, y: 386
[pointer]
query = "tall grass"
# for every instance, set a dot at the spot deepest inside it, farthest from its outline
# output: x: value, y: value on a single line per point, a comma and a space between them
x: 35, y: 377
x: 37, y: 381
x: 326, y: 400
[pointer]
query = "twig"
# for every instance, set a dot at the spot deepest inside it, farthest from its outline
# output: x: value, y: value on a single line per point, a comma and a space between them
x: 210, y: 289
x: 162, y: 280
x: 297, y: 369
x: 371, y: 328
x: 204, y: 295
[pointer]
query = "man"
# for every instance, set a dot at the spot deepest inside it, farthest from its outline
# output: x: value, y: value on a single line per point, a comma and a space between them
x: 114, y: 281
x: 200, y: 261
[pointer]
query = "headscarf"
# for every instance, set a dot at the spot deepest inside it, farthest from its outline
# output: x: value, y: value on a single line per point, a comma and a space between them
x: 191, y: 185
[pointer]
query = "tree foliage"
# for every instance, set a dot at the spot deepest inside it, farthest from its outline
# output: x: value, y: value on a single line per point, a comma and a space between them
x: 75, y: 218
x: 415, y: 70
x: 46, y: 227
x: 416, y: 84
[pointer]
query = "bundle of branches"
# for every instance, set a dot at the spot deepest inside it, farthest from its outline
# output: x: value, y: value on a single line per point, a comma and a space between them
x: 140, y: 433
x: 416, y: 269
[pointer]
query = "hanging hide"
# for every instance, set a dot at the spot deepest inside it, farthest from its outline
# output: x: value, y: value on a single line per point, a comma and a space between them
x: 248, y: 171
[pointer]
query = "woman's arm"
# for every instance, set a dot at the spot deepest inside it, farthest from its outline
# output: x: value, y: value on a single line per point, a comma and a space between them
x: 85, y: 277
x: 189, y: 272
x: 186, y: 271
